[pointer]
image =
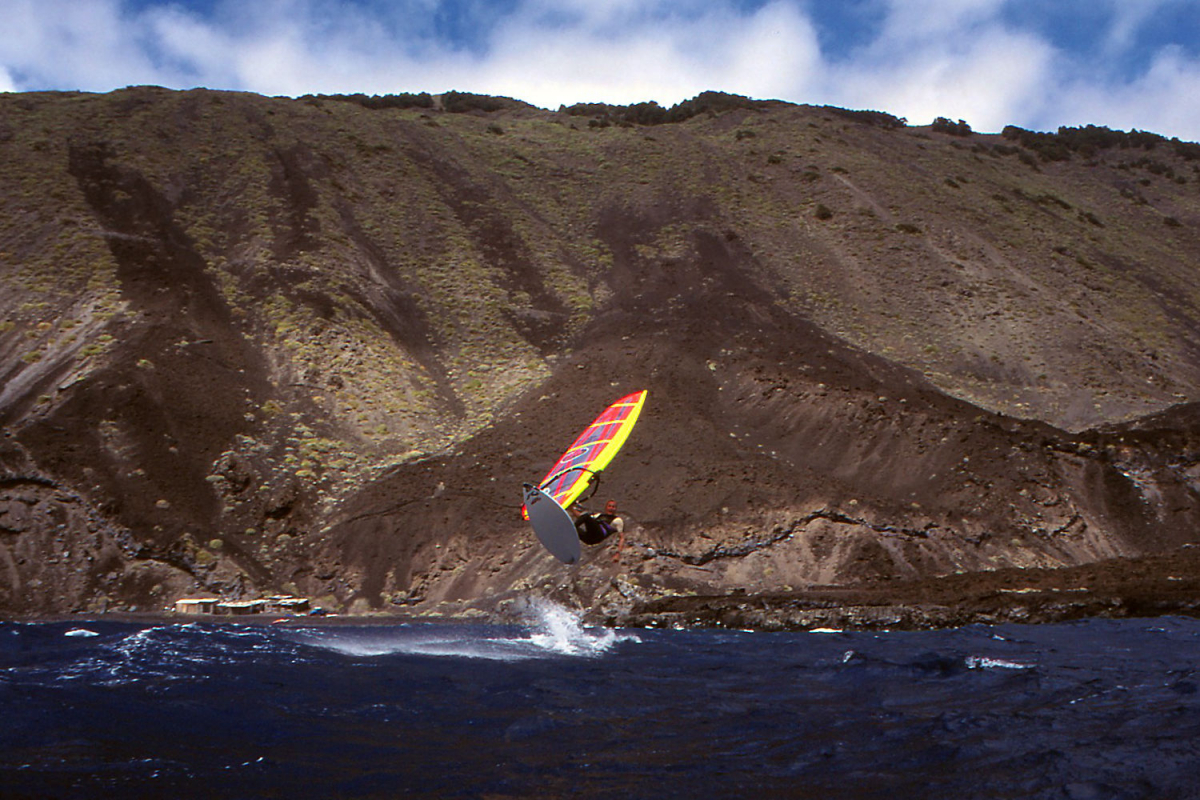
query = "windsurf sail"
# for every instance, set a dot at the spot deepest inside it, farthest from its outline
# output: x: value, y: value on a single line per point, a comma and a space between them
x: 592, y: 451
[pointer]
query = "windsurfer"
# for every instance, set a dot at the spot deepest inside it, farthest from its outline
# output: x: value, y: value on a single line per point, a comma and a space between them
x: 595, y: 528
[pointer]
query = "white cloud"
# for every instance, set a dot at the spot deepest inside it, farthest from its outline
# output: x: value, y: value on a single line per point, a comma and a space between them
x: 916, y: 21
x: 950, y: 59
x: 609, y: 58
x: 963, y: 59
x: 191, y: 48
x: 775, y: 54
x: 59, y: 44
x: 295, y: 47
x: 1128, y: 18
x: 1158, y: 100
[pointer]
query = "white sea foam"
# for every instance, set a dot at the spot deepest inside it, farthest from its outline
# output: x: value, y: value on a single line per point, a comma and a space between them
x: 982, y: 662
x: 550, y: 630
x: 141, y: 654
x: 81, y: 633
x: 444, y: 641
x: 164, y: 653
x: 558, y: 629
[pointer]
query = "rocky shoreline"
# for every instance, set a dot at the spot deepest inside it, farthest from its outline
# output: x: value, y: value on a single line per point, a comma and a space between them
x: 1153, y: 586
x: 1161, y: 585
x: 798, y: 614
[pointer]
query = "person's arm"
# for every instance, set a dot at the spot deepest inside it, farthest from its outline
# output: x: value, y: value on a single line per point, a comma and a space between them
x: 620, y: 544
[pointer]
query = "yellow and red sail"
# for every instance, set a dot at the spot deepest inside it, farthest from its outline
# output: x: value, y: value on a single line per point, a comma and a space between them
x: 592, y: 451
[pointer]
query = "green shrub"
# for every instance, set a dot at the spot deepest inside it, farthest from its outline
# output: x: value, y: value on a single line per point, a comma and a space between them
x: 943, y: 125
x: 651, y: 113
x: 879, y: 119
x: 1090, y: 139
x: 463, y: 102
x: 402, y: 100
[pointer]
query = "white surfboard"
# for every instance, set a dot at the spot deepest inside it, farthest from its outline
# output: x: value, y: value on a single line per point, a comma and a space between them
x: 552, y: 524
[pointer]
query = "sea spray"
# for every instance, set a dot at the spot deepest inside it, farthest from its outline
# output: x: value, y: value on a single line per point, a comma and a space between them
x: 559, y: 629
x: 431, y: 641
x: 545, y: 630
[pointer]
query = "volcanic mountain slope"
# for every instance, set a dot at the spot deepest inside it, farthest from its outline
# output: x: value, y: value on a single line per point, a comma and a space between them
x: 257, y: 344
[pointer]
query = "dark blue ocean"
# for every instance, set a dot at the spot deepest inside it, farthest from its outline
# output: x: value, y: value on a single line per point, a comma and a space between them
x: 549, y: 708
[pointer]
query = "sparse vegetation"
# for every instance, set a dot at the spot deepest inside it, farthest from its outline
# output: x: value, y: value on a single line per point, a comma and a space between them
x: 651, y: 113
x: 944, y: 125
x: 465, y: 102
x: 879, y: 119
x: 1089, y: 140
x: 367, y: 282
x: 402, y: 100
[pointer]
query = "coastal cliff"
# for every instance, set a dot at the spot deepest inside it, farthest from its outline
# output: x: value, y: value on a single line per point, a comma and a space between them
x: 253, y: 345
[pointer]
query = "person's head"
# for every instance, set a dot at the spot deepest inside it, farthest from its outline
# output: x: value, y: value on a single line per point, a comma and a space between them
x: 610, y: 507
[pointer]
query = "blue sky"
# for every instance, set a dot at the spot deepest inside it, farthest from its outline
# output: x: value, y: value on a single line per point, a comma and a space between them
x: 1035, y: 63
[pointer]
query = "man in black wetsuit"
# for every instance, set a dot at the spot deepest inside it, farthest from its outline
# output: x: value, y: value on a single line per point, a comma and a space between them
x: 595, y: 528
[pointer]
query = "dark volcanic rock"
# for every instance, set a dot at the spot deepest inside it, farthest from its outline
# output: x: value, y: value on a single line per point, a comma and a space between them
x: 1136, y: 587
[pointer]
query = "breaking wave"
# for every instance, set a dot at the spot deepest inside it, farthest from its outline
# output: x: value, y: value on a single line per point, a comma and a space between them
x: 548, y: 629
x: 982, y: 662
x: 163, y: 653
x: 558, y: 629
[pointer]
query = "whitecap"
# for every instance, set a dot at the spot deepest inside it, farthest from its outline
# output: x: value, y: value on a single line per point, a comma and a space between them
x: 983, y: 662
x: 439, y: 641
x: 560, y: 630
x: 550, y: 630
x: 81, y: 632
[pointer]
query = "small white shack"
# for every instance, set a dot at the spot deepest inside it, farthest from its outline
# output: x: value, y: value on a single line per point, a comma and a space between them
x: 196, y: 605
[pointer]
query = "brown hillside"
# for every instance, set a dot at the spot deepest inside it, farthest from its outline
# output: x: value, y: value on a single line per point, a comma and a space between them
x: 252, y: 344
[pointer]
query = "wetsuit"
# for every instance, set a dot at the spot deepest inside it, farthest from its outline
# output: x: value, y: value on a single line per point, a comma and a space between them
x: 595, y: 528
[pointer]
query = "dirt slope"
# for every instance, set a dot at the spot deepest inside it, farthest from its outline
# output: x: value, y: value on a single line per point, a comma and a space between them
x: 841, y: 469
x: 256, y: 344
